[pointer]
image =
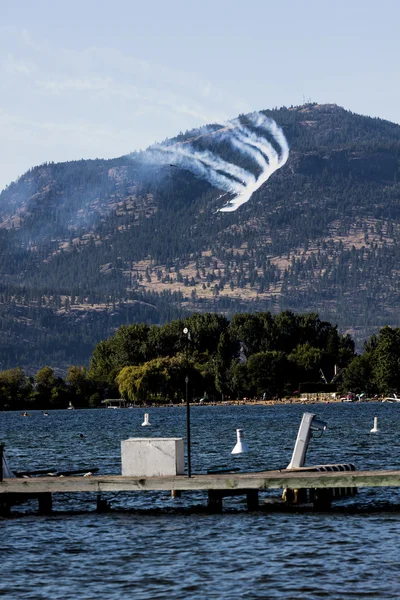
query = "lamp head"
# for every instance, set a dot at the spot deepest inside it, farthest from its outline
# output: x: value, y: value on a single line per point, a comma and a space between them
x: 318, y: 425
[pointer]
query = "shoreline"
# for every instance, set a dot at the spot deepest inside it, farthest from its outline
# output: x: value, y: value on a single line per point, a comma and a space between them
x: 285, y: 401
x: 224, y: 403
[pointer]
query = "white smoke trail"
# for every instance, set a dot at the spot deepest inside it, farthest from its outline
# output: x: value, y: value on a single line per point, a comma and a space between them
x: 227, y: 176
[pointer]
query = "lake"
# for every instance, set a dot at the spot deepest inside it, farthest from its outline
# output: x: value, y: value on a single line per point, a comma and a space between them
x: 153, y: 546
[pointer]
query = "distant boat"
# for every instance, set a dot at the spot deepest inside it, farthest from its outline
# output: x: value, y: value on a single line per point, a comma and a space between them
x: 392, y: 399
x: 70, y: 406
x: 114, y: 402
x: 349, y: 398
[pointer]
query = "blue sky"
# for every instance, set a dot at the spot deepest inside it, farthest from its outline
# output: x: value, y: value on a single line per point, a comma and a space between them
x: 88, y: 79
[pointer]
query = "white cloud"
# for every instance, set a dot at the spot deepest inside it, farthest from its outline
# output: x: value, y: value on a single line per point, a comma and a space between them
x: 13, y: 66
x: 70, y: 84
x: 112, y: 90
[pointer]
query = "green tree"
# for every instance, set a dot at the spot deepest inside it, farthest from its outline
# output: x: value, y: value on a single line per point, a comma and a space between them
x: 205, y: 330
x: 227, y: 349
x: 45, y: 382
x: 160, y: 377
x: 287, y: 331
x: 267, y: 373
x: 132, y: 382
x: 166, y: 340
x: 51, y: 391
x: 247, y: 329
x: 386, y: 360
x: 358, y: 375
x: 130, y: 345
x: 305, y: 361
x: 79, y: 384
x: 239, y: 380
x: 103, y: 368
x: 15, y: 389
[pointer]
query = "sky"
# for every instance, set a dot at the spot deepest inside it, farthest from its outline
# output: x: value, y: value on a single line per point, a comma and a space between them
x: 99, y: 79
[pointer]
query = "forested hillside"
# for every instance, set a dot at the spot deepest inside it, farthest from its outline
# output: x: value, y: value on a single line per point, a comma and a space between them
x: 87, y: 246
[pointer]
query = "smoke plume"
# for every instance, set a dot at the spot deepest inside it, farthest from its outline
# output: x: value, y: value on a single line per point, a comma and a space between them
x: 259, y: 143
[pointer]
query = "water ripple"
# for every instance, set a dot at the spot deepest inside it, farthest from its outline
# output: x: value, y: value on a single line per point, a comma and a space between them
x: 153, y: 547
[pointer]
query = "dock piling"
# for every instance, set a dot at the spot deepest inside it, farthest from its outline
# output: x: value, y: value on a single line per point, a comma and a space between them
x: 215, y: 501
x: 215, y: 498
x: 5, y: 506
x: 45, y: 503
x: 322, y: 499
x: 102, y: 506
x: 252, y: 500
x: 1, y: 460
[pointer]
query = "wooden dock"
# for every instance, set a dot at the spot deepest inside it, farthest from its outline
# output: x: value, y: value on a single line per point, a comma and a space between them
x: 217, y: 485
x: 265, y: 480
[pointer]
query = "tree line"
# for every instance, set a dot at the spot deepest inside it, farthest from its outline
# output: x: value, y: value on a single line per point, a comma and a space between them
x: 250, y: 355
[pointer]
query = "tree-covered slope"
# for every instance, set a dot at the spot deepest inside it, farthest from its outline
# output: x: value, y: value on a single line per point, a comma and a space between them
x: 88, y: 245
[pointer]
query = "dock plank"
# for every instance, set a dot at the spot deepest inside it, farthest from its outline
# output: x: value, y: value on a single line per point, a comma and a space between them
x: 222, y: 481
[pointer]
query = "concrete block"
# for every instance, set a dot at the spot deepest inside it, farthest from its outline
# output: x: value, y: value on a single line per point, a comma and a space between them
x: 152, y: 457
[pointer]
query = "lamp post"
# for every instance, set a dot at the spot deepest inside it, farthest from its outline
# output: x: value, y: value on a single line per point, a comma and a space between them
x: 187, y: 334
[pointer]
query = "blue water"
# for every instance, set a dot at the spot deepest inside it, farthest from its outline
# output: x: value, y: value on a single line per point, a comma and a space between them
x: 152, y: 546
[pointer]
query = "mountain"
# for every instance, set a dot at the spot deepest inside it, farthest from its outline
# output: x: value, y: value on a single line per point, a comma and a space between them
x: 86, y: 246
